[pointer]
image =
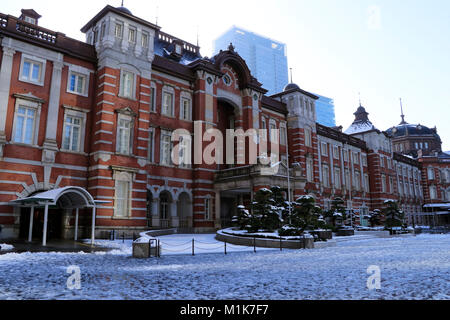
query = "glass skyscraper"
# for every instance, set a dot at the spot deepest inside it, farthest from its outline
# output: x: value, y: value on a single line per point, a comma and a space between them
x: 325, y: 111
x: 265, y: 57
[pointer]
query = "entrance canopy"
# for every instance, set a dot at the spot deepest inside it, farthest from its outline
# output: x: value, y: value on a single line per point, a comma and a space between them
x: 64, y: 198
x: 67, y: 198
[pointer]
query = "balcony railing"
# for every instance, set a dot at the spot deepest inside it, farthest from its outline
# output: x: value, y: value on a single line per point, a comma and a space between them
x: 35, y: 31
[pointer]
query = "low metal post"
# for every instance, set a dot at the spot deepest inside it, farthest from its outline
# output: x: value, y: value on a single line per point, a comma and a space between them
x: 254, y: 244
x: 281, y: 244
x: 225, y: 247
x: 123, y: 237
x: 193, y: 244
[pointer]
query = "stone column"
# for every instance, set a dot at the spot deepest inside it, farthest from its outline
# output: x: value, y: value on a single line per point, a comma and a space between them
x: 175, y: 220
x: 218, y: 221
x: 50, y: 145
x: 155, y: 213
x: 5, y: 85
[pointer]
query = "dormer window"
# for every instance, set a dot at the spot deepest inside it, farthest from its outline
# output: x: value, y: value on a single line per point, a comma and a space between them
x: 178, y: 49
x: 30, y: 20
x: 30, y: 16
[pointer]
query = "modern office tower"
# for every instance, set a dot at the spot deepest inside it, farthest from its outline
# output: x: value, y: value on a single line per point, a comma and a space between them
x: 325, y: 111
x: 265, y: 57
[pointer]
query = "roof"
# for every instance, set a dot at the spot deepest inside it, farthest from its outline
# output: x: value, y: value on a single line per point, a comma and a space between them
x: 21, y: 30
x: 361, y: 123
x: 408, y: 129
x: 275, y: 105
x: 291, y: 88
x: 67, y: 197
x: 121, y: 12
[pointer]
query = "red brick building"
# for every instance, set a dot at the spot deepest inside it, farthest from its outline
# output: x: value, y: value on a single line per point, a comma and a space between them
x: 100, y: 116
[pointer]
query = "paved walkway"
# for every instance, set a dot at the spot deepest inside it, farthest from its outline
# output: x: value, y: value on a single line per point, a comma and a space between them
x: 52, y: 246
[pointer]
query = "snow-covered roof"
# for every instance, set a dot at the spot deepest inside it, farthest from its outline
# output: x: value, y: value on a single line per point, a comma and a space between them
x: 360, y: 127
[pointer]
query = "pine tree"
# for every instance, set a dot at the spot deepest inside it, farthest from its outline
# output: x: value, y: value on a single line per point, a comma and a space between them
x: 305, y: 215
x: 337, y: 211
x: 394, y: 216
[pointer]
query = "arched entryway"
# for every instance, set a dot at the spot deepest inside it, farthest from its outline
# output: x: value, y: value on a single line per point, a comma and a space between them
x: 184, y: 211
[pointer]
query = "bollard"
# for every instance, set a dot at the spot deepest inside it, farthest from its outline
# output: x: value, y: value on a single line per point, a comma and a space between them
x: 123, y: 237
x: 193, y: 244
x: 281, y: 244
x: 254, y: 244
x: 225, y: 247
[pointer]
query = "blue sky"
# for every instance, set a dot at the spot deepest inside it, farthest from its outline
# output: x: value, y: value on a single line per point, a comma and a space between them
x: 384, y: 49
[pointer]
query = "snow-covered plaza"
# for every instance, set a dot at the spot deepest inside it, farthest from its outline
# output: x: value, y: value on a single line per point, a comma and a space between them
x: 411, y: 268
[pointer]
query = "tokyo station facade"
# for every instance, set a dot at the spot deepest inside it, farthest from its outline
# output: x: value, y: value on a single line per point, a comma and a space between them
x: 88, y: 125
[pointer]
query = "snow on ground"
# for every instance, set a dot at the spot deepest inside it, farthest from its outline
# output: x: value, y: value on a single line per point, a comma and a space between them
x: 6, y: 247
x: 411, y: 268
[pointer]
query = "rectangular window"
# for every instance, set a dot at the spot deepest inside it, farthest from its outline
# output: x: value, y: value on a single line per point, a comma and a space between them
x: 383, y: 183
x: 310, y: 170
x: 336, y: 152
x: 77, y: 83
x: 347, y: 179
x: 30, y: 20
x: 324, y: 149
x: 167, y: 104
x: 166, y: 148
x: 283, y: 137
x: 381, y: 162
x: 24, y: 125
x: 345, y: 155
x: 153, y: 99
x: 151, y: 145
x: 364, y: 160
x: 124, y: 136
x: 337, y: 178
x: 207, y: 209
x: 185, y: 109
x: 430, y: 174
x: 308, y: 140
x: 122, y: 198
x: 355, y: 158
x: 357, y: 181
x: 103, y: 31
x: 144, y: 41
x: 132, y: 35
x: 433, y: 193
x: 273, y: 132
x: 31, y: 71
x: 72, y: 133
x: 127, y: 84
x: 118, y: 31
x: 325, y: 176
x: 366, y: 183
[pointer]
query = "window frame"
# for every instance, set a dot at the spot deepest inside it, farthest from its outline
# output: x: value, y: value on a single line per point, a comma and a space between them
x: 76, y: 113
x: 123, y: 73
x: 185, y: 98
x: 168, y: 91
x: 28, y: 104
x: 127, y: 178
x: 33, y: 60
x: 163, y: 134
x: 130, y: 119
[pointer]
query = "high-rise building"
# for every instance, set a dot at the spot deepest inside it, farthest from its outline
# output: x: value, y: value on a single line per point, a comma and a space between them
x: 325, y: 111
x: 265, y: 57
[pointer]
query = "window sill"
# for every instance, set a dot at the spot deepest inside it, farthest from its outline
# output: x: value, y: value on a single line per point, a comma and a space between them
x: 81, y: 153
x: 78, y: 94
x: 127, y: 98
x: 20, y: 144
x: 36, y: 83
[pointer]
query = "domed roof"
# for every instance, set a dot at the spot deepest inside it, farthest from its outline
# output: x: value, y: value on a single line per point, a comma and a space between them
x: 411, y: 130
x: 125, y: 10
x: 291, y: 86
